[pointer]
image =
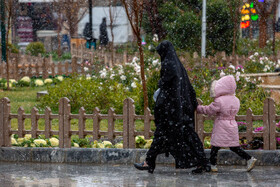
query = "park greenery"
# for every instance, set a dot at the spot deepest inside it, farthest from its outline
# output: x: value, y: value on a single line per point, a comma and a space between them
x: 109, y: 86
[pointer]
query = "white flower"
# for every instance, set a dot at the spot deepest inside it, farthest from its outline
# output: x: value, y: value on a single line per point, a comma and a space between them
x: 256, y: 54
x: 247, y: 79
x: 121, y: 71
x: 237, y: 76
x: 27, y: 137
x: 123, y: 77
x: 54, y: 142
x: 119, y: 145
x: 47, y: 81
x: 76, y: 145
x: 39, y: 82
x: 155, y: 62
x: 155, y: 38
x: 103, y: 75
x: 85, y: 68
x: 13, y: 141
x: 60, y: 78
x: 20, y: 140
x: 25, y: 79
x: 222, y: 73
x: 100, y: 145
x: 112, y: 76
x: 13, y: 81
x: 251, y: 57
x: 39, y: 142
x: 261, y: 62
x: 88, y: 77
x: 135, y: 59
x: 149, y: 47
x: 232, y: 67
x: 259, y: 78
x: 107, y: 144
x: 133, y: 85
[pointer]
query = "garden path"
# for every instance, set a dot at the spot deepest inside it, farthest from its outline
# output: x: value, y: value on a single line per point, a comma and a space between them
x: 84, y: 175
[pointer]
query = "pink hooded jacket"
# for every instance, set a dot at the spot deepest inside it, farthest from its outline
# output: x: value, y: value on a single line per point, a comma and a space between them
x: 225, y: 107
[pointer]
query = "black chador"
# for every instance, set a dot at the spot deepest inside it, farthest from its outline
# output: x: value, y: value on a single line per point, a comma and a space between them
x: 174, y: 114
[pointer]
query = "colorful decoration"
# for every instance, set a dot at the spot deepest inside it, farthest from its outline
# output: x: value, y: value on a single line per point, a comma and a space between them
x: 245, y: 24
x: 143, y: 41
x: 249, y: 13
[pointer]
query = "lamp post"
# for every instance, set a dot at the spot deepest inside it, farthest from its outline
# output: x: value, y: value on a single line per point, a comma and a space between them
x: 90, y: 22
x: 3, y: 31
x: 203, y: 37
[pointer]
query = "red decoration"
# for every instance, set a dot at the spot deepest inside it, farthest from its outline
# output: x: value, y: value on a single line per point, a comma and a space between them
x: 245, y: 24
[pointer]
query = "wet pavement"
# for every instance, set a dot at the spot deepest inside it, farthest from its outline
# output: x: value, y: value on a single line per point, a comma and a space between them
x: 85, y: 175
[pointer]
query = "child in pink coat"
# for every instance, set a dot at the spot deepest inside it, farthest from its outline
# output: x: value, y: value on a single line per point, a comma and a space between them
x: 225, y: 129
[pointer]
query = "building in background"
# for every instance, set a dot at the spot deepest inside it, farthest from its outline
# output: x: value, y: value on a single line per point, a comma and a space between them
x: 121, y: 26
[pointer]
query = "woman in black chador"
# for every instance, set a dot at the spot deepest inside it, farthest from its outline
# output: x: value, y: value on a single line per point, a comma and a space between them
x: 174, y: 117
x: 103, y: 33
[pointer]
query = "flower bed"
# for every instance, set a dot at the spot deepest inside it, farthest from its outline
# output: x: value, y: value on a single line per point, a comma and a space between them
x: 28, y: 141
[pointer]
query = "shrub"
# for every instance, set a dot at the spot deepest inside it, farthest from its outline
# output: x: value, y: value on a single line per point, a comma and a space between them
x: 13, y: 48
x: 35, y: 48
x: 88, y: 94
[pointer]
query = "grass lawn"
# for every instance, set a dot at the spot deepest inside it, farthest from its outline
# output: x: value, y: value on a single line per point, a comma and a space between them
x: 25, y: 97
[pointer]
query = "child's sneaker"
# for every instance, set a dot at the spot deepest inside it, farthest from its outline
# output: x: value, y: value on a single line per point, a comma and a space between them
x: 214, y: 168
x: 251, y: 164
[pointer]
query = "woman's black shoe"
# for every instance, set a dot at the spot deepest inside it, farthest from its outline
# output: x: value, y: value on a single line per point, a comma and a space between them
x: 141, y: 166
x: 201, y: 169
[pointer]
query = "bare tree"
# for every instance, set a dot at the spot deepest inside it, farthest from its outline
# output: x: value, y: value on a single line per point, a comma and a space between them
x: 71, y: 10
x: 234, y: 7
x: 151, y: 8
x: 59, y: 10
x: 273, y: 26
x: 134, y: 12
x: 264, y: 9
x: 9, y: 15
x: 113, y: 14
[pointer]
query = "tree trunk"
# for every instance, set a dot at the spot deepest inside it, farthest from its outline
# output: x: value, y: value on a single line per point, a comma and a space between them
x: 262, y: 33
x: 145, y: 92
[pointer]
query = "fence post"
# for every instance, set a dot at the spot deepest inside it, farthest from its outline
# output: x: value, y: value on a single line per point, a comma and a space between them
x: 147, y: 123
x: 45, y: 68
x: 111, y: 126
x: 64, y: 123
x: 272, y: 124
x: 34, y: 122
x: 131, y: 124
x: 125, y: 124
x: 265, y: 125
x: 47, y: 122
x: 74, y: 65
x: 81, y: 122
x: 199, y: 124
x: 5, y: 122
x: 95, y: 133
x: 2, y: 137
x: 124, y: 57
x: 67, y: 123
x: 17, y: 76
x: 249, y: 121
x: 20, y: 122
